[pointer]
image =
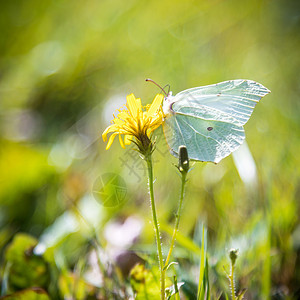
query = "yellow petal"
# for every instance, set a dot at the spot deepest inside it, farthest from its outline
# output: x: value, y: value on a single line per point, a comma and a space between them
x: 109, y: 129
x: 127, y: 139
x: 118, y: 121
x: 152, y: 128
x: 110, y: 141
x: 123, y: 115
x: 132, y: 105
x: 131, y: 123
x: 139, y: 103
x: 155, y: 105
x: 121, y: 141
x: 158, y: 118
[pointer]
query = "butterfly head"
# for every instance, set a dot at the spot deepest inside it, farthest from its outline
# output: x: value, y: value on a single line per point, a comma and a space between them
x: 167, y: 104
x: 168, y: 101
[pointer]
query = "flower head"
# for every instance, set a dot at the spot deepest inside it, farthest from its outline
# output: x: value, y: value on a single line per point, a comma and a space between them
x: 135, y: 121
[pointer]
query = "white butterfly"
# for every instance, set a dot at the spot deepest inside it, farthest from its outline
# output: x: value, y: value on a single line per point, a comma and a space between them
x: 209, y: 120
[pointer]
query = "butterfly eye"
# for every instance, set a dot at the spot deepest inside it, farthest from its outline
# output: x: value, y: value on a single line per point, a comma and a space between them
x: 209, y: 128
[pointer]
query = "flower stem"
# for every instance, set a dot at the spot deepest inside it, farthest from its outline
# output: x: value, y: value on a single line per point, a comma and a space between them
x: 156, y: 227
x: 231, y: 278
x: 183, y: 181
x: 233, y: 255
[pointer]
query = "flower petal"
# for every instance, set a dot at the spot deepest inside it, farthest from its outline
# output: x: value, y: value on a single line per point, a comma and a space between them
x: 123, y: 115
x: 132, y: 105
x: 127, y: 139
x: 110, y: 141
x: 118, y: 121
x: 109, y: 129
x: 139, y: 103
x: 155, y: 105
x: 121, y: 141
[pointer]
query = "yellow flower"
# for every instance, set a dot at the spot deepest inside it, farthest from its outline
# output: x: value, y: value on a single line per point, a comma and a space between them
x: 136, y: 121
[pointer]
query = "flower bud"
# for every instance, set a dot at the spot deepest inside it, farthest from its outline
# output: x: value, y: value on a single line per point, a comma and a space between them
x: 233, y: 255
x: 183, y: 162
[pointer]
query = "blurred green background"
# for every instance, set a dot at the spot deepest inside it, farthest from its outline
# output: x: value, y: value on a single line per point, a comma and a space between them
x: 65, y: 66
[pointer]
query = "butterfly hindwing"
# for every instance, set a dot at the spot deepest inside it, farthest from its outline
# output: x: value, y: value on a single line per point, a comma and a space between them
x: 206, y: 140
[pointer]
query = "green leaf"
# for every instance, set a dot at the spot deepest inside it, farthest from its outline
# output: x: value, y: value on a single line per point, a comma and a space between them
x: 190, y: 289
x: 72, y: 286
x: 173, y: 290
x: 170, y: 264
x: 25, y: 269
x: 203, y: 283
x: 145, y: 283
x: 241, y: 294
x: 28, y: 294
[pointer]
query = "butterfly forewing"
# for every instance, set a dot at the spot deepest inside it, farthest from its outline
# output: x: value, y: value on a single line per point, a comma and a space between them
x: 236, y: 98
x: 203, y: 112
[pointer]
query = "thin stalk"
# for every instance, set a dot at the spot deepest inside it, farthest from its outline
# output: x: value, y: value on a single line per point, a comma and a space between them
x: 156, y: 227
x: 231, y: 278
x: 183, y: 181
x: 177, y: 297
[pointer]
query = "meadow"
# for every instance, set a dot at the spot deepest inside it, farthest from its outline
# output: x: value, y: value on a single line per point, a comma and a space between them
x: 75, y: 219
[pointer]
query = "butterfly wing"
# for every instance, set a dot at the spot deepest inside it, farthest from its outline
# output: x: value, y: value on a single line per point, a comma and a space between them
x: 206, y: 140
x: 237, y: 98
x: 209, y: 120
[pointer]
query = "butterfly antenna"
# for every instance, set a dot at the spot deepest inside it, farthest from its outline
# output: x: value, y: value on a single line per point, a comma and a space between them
x: 167, y: 85
x: 148, y: 79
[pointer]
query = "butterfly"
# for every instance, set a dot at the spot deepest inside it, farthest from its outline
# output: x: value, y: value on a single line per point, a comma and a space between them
x: 209, y: 120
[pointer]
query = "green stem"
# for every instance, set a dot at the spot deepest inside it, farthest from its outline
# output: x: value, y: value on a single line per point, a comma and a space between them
x: 231, y: 278
x: 177, y: 297
x: 156, y: 227
x: 183, y: 181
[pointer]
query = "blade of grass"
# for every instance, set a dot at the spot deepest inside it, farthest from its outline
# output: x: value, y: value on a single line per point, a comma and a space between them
x: 266, y: 272
x: 207, y: 280
x: 201, y: 285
